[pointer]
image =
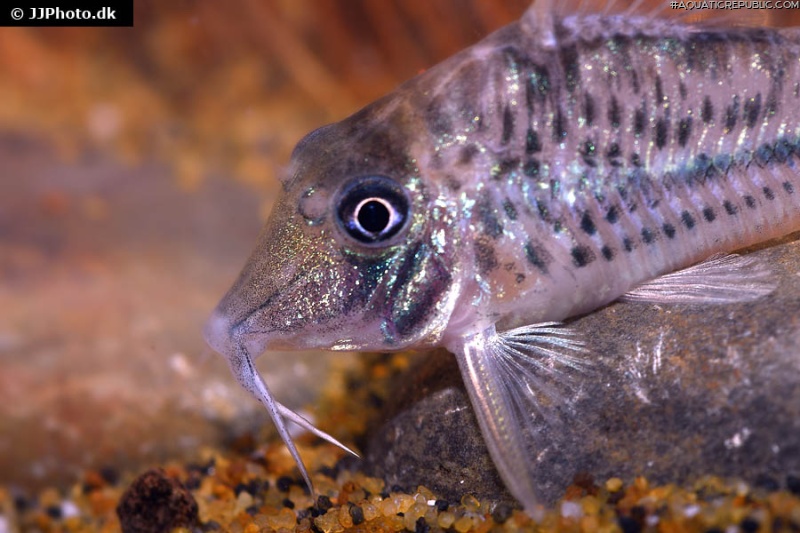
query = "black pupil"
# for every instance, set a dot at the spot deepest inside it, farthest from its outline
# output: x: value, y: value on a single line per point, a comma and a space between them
x: 373, y: 216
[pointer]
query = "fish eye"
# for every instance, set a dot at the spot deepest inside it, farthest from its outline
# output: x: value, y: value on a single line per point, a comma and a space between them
x: 372, y: 209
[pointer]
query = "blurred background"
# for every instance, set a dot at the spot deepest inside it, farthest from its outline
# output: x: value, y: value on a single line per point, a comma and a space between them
x: 136, y: 167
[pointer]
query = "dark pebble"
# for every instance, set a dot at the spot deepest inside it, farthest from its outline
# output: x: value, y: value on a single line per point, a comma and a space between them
x: 204, y: 470
x: 766, y: 482
x: 110, y: 475
x: 441, y: 505
x: 793, y: 484
x: 628, y: 524
x: 638, y: 513
x: 257, y: 486
x: 328, y: 471
x: 283, y: 483
x: 193, y: 481
x: 357, y: 514
x: 748, y: 525
x: 324, y: 503
x: 240, y: 488
x: 252, y: 510
x: 21, y: 503
x: 211, y: 525
x: 501, y: 512
x: 714, y: 530
x: 289, y: 504
x: 154, y: 503
x: 303, y: 513
x: 421, y: 526
x: 397, y: 488
x: 54, y: 512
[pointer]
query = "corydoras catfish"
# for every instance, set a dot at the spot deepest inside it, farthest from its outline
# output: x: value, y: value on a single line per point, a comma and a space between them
x: 566, y: 161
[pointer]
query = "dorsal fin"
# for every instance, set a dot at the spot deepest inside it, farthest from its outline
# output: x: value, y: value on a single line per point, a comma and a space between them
x: 646, y: 16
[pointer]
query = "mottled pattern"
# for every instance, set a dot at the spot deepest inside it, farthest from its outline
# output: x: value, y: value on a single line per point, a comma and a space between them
x: 649, y: 150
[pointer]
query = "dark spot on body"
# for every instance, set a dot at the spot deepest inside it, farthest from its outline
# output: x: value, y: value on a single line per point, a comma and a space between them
x: 613, y: 154
x: 538, y: 256
x: 768, y: 194
x: 588, y: 109
x: 749, y: 201
x: 752, y: 108
x: 783, y: 150
x: 661, y: 133
x: 612, y: 216
x: 467, y: 153
x: 587, y: 224
x: 608, y: 253
x: 569, y: 62
x: 627, y: 243
x: 764, y: 154
x: 729, y: 207
x: 438, y: 121
x: 659, y: 90
x: 669, y: 230
x: 636, y: 160
x: 731, y: 114
x: 532, y: 144
x: 511, y: 211
x: 505, y: 167
x: 520, y: 278
x: 684, y: 130
x: 771, y: 106
x: 531, y: 168
x: 559, y: 125
x: 452, y: 182
x: 687, y: 219
x: 708, y: 110
x: 582, y: 256
x: 508, y: 125
x: 588, y: 152
x: 638, y: 121
x: 538, y: 83
x: 788, y: 187
x: 485, y: 256
x: 488, y: 217
x: 614, y: 113
x: 682, y: 90
x: 648, y: 237
x: 708, y: 214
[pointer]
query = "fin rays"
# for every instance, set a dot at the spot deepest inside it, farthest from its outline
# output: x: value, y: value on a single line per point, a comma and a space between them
x: 517, y: 381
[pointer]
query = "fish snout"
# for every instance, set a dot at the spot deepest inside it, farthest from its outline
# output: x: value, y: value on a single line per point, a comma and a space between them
x: 219, y: 332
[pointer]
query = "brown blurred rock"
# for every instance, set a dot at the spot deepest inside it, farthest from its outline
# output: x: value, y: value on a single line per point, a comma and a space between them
x: 673, y: 393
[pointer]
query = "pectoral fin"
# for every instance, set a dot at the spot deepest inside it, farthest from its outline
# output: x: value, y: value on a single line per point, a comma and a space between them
x: 510, y: 378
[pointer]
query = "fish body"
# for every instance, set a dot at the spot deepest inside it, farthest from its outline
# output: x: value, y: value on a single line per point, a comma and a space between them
x: 548, y: 170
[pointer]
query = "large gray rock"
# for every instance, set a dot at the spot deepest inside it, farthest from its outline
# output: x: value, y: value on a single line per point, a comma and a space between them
x: 673, y: 393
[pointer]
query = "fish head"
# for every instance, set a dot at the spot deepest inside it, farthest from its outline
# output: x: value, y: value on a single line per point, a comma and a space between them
x: 359, y: 252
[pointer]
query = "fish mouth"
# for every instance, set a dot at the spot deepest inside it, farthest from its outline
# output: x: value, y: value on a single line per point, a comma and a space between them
x: 219, y: 332
x: 225, y: 335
